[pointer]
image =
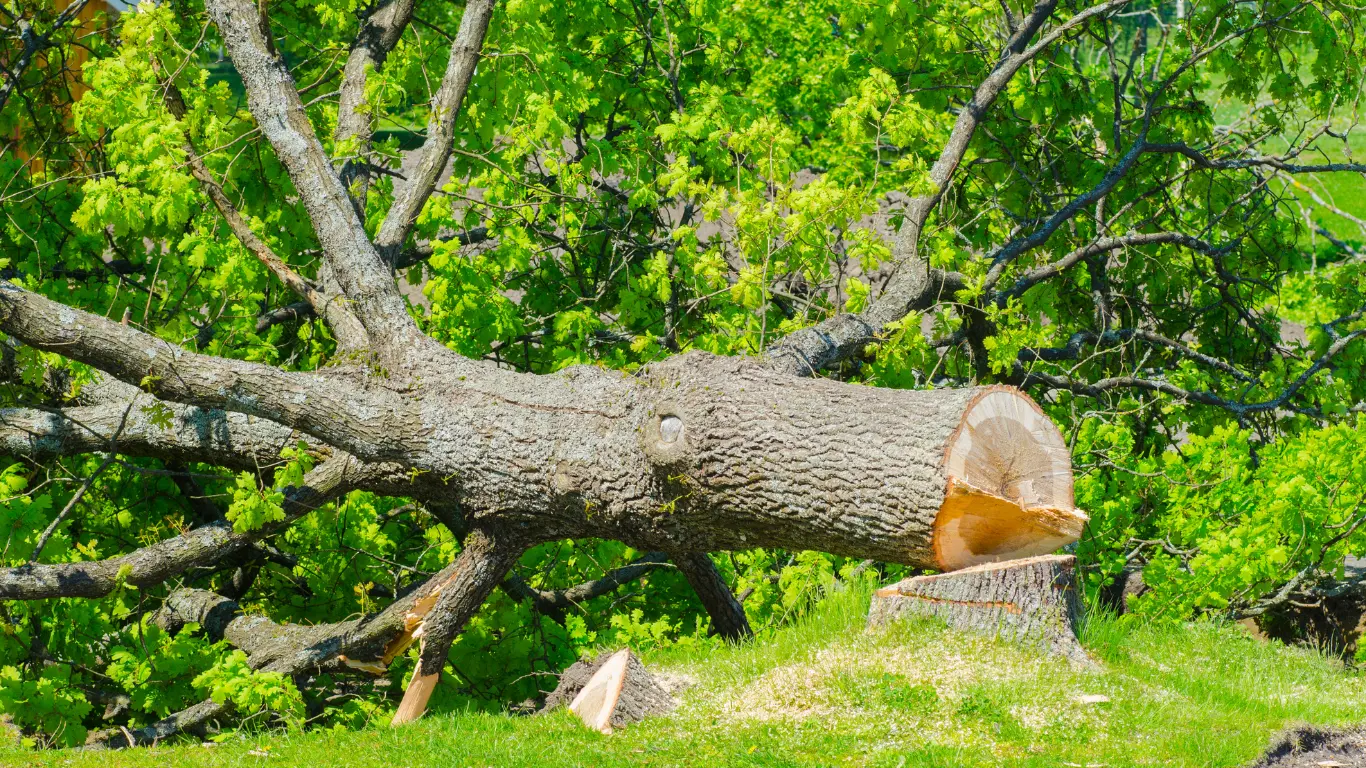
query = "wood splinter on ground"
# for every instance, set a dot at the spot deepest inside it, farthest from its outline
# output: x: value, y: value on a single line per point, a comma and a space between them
x: 1032, y: 601
x: 611, y: 692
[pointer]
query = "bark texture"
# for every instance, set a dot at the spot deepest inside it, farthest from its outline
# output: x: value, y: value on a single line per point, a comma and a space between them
x: 1031, y: 601
x: 702, y: 453
x: 727, y: 614
x: 443, y: 611
x: 693, y: 454
x: 378, y: 35
x: 698, y: 453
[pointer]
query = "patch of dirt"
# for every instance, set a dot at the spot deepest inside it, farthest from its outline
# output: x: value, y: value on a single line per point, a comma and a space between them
x: 675, y: 683
x: 1317, y: 748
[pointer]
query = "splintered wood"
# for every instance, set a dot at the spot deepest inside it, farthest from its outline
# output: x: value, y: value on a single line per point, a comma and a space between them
x: 611, y: 692
x: 1032, y: 601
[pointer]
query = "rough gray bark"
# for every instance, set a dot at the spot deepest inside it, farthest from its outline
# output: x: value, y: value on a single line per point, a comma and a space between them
x: 378, y: 35
x: 436, y: 150
x: 220, y: 618
x: 346, y: 414
x: 274, y: 101
x: 572, y: 680
x: 1032, y: 602
x: 231, y: 440
x: 185, y: 720
x: 483, y: 562
x: 693, y: 454
x: 284, y: 648
x: 727, y: 615
x: 698, y: 453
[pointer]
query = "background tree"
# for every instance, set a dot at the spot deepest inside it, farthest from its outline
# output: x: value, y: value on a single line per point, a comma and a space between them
x: 253, y: 269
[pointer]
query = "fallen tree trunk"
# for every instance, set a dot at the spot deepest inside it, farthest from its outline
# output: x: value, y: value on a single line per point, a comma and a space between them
x: 689, y: 455
x: 702, y: 453
x: 1031, y: 601
x: 694, y: 454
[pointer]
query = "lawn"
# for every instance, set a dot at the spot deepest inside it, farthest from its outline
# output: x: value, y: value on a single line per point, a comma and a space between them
x: 826, y: 692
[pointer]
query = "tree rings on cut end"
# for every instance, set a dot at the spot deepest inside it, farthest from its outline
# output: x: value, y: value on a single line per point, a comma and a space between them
x: 1008, y: 488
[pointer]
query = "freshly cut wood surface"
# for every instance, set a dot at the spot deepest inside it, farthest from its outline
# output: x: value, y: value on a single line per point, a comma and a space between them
x: 597, y: 700
x: 415, y: 697
x: 610, y: 692
x: 1008, y: 485
x: 1032, y: 601
x: 976, y: 526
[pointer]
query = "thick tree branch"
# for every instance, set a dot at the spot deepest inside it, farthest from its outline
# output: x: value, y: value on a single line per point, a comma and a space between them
x: 378, y: 35
x: 436, y: 151
x: 727, y: 615
x: 185, y: 720
x: 274, y: 101
x: 287, y: 649
x: 483, y: 562
x: 178, y: 433
x: 808, y: 351
x: 345, y: 327
x: 409, y: 257
x: 361, y: 421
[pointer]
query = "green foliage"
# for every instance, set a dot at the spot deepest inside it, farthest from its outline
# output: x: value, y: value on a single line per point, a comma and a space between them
x: 655, y: 178
x: 232, y: 681
x: 48, y: 703
x: 158, y: 671
x: 1231, y: 527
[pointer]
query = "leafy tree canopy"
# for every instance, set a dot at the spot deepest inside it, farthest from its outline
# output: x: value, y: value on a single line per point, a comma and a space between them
x: 1154, y: 226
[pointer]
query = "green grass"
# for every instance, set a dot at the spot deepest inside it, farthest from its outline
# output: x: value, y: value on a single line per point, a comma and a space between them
x: 826, y: 692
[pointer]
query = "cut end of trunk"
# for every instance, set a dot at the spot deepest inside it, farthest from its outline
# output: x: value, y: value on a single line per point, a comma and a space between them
x: 976, y: 526
x: 1009, y: 489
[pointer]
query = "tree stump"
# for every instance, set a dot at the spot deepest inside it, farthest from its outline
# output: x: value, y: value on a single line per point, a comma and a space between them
x: 612, y: 691
x: 1032, y: 601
